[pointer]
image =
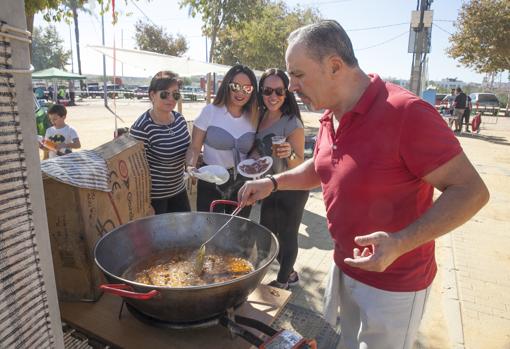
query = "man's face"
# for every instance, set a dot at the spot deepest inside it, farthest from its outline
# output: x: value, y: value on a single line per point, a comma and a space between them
x: 307, y: 77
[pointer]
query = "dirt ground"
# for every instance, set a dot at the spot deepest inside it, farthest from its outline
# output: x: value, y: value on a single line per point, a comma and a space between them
x: 469, y: 306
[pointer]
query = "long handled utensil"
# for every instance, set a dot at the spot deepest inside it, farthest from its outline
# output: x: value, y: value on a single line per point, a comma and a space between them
x: 200, y: 256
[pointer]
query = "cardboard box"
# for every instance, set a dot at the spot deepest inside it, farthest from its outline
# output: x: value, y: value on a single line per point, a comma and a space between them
x: 78, y: 217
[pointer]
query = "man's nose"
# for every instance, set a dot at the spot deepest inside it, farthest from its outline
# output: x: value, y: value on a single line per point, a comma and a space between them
x: 293, y: 87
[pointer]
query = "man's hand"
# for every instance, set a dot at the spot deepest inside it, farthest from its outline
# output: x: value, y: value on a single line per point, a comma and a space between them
x: 384, y: 249
x: 252, y: 191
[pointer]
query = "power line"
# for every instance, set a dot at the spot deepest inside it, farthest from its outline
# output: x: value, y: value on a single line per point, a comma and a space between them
x: 384, y: 42
x: 143, y: 13
x: 377, y: 27
x: 446, y: 31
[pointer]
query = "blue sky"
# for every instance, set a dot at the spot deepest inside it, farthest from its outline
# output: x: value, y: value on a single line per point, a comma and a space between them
x: 382, y: 50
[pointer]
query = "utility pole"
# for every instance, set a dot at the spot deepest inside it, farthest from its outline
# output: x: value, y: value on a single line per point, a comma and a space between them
x: 419, y: 42
x: 105, y: 92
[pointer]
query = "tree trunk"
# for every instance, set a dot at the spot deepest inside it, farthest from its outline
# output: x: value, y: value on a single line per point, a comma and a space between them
x: 77, y: 38
x: 213, y: 42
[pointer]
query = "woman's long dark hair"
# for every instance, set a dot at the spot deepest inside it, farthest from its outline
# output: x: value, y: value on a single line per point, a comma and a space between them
x: 223, y: 96
x: 289, y: 106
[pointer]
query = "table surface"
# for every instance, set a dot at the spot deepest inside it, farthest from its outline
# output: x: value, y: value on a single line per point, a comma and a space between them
x: 100, y: 319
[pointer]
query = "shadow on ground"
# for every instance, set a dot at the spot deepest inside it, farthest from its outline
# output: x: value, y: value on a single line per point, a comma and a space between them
x: 486, y: 138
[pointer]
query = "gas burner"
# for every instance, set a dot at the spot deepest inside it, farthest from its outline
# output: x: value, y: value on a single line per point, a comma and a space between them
x: 236, y: 326
x: 149, y: 320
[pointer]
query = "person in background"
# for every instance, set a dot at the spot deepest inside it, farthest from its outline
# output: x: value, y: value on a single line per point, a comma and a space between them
x: 451, y: 99
x: 226, y: 130
x: 380, y: 152
x: 60, y: 139
x: 459, y: 108
x: 282, y: 211
x: 166, y: 139
x: 467, y: 114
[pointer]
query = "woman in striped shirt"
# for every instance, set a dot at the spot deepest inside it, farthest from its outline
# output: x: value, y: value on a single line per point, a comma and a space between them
x: 166, y: 139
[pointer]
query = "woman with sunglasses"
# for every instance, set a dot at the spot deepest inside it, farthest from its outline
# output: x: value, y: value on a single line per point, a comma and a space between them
x: 226, y: 130
x: 166, y: 139
x: 282, y: 211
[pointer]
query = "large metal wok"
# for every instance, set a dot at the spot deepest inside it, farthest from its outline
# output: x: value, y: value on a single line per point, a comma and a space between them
x: 140, y: 239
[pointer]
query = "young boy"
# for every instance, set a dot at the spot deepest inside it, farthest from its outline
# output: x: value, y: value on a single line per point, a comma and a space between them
x: 62, y: 137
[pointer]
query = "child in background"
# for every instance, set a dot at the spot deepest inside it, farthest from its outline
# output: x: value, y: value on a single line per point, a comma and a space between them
x: 61, y: 138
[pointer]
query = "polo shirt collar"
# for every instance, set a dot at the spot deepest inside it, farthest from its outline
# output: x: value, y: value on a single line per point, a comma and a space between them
x: 365, y: 102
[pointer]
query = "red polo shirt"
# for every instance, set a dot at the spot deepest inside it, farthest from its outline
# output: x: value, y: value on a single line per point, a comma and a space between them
x: 371, y: 172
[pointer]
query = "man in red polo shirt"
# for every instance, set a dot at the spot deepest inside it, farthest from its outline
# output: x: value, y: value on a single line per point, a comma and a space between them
x: 380, y: 153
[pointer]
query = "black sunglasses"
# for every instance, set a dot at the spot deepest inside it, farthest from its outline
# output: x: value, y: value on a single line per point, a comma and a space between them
x: 268, y: 91
x: 235, y: 87
x: 175, y: 95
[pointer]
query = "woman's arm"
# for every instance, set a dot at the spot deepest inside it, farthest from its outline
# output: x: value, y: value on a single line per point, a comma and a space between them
x: 297, y: 146
x: 193, y: 152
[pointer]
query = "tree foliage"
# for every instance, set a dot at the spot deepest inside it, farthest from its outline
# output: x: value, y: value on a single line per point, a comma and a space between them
x: 261, y: 42
x: 153, y: 38
x: 48, y: 50
x: 482, y: 39
x: 220, y: 14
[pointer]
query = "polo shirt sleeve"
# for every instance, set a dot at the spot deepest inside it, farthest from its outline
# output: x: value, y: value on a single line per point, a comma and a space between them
x: 426, y: 141
x: 203, y: 120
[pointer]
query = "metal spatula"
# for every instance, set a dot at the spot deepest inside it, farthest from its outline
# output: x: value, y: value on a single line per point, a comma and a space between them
x: 200, y: 256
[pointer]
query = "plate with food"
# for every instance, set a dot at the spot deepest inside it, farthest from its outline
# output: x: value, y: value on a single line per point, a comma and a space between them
x: 255, y: 168
x: 212, y: 174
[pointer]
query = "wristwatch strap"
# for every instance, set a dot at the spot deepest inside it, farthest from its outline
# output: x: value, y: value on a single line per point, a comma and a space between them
x: 275, y: 183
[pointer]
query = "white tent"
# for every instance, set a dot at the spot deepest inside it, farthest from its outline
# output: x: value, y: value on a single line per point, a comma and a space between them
x: 158, y: 61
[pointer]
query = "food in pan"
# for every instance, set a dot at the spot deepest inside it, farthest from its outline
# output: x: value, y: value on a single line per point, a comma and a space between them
x: 177, y: 270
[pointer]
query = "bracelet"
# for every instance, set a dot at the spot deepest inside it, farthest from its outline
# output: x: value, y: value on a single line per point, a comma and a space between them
x: 275, y: 183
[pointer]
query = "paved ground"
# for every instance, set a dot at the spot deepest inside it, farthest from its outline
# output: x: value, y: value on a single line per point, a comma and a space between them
x: 469, y: 305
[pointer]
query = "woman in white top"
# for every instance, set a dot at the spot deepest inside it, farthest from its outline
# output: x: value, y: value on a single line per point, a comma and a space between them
x: 226, y: 130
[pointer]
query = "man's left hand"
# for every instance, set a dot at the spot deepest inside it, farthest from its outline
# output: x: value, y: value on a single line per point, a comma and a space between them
x: 385, y: 249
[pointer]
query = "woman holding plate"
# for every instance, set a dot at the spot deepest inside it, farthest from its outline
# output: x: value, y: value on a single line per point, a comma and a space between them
x: 165, y: 136
x: 280, y: 134
x: 226, y: 130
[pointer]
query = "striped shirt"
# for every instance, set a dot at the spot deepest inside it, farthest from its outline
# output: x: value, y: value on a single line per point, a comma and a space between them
x: 165, y: 148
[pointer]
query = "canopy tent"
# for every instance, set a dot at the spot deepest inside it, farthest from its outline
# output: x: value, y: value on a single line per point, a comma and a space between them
x: 56, y: 74
x: 157, y: 61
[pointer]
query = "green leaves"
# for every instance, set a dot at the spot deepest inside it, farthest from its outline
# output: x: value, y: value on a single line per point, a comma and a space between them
x: 482, y: 39
x: 261, y: 41
x: 153, y: 38
x: 47, y: 49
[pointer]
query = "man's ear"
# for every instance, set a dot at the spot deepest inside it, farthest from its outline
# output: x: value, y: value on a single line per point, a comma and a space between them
x: 335, y: 64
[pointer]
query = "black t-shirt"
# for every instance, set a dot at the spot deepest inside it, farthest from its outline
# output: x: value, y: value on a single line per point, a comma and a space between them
x: 460, y: 101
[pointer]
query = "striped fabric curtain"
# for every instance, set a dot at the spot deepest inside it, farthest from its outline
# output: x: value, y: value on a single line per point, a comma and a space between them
x: 24, y: 315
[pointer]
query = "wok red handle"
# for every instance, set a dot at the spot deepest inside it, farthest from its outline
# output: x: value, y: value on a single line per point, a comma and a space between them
x: 222, y: 202
x: 127, y: 291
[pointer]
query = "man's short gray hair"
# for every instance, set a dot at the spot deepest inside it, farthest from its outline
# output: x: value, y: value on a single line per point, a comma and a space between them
x: 323, y: 39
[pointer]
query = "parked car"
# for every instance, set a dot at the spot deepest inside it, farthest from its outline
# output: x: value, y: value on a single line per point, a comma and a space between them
x: 190, y: 93
x: 487, y: 101
x: 142, y: 92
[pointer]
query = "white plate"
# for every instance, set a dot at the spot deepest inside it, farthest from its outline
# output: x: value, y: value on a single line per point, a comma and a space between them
x: 212, y: 174
x: 248, y: 162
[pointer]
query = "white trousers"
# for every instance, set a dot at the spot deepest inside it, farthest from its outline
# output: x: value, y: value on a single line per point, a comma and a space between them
x: 372, y: 318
